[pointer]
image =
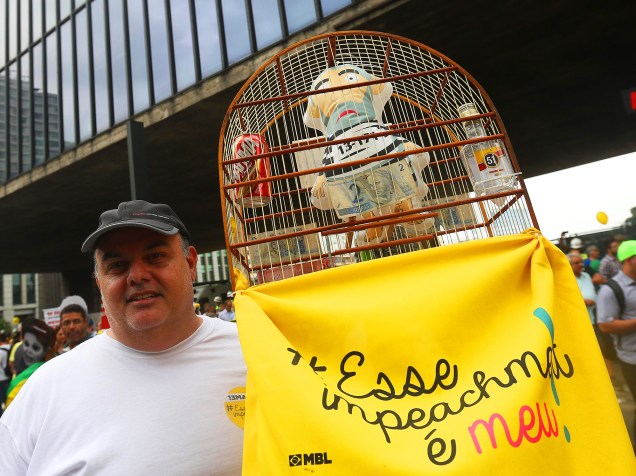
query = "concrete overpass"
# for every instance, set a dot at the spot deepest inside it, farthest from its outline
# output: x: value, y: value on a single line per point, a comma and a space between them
x: 555, y: 73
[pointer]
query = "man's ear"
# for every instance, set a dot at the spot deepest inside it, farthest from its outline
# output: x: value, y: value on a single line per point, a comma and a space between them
x: 96, y: 276
x: 192, y: 259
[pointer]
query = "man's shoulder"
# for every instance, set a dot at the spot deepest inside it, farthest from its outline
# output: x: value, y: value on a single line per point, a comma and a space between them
x: 607, y: 261
x: 607, y: 294
x: 622, y: 279
x: 219, y: 340
x: 217, y: 327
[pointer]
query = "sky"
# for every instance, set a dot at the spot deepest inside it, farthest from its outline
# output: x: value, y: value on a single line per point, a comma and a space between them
x: 568, y: 200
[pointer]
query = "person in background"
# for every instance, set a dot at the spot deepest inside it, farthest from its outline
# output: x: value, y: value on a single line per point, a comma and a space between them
x: 228, y: 314
x: 37, y: 345
x: 584, y: 282
x: 610, y: 264
x: 60, y: 340
x: 592, y: 263
x: 576, y: 246
x: 160, y: 376
x: 218, y: 305
x: 588, y: 291
x: 562, y: 244
x: 210, y: 310
x: 92, y: 332
x: 621, y: 323
x: 74, y: 320
x: 16, y: 357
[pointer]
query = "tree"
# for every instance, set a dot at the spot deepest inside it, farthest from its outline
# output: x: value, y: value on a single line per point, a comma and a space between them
x: 630, y: 224
x: 5, y: 326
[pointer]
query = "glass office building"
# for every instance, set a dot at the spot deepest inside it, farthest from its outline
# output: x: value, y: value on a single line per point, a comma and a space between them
x: 70, y: 69
x: 18, y: 296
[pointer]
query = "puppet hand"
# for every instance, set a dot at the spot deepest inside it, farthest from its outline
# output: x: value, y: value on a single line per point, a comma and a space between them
x: 418, y: 227
x: 415, y: 227
x: 420, y: 160
x: 319, y: 197
x: 371, y: 236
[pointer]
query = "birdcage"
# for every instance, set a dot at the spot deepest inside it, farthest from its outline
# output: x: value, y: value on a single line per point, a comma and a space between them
x: 358, y: 145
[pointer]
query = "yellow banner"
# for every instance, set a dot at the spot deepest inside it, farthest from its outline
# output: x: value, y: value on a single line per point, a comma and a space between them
x: 471, y: 359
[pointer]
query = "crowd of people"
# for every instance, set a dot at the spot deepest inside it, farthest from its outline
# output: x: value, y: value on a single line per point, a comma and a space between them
x: 162, y: 349
x: 219, y: 308
x: 608, y: 288
x: 22, y: 353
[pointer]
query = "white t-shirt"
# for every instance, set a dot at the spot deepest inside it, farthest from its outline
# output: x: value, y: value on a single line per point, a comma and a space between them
x: 158, y: 413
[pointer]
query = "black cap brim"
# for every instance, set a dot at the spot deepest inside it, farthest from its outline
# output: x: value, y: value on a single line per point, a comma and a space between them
x: 160, y: 227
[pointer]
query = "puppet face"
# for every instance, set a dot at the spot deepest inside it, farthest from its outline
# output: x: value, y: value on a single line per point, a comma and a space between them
x: 334, y: 77
x: 341, y: 109
x: 33, y: 349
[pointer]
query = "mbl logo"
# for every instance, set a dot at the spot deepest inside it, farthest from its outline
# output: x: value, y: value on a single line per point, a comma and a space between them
x: 303, y: 459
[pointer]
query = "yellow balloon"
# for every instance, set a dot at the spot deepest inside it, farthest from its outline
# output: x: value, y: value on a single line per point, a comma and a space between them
x: 602, y: 218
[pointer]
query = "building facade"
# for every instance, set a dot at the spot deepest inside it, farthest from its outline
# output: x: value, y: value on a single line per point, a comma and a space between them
x: 18, y: 296
x: 213, y: 267
x: 71, y: 69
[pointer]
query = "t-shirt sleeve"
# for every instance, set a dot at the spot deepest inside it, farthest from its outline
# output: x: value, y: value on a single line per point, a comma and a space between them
x: 607, y: 308
x: 10, y: 462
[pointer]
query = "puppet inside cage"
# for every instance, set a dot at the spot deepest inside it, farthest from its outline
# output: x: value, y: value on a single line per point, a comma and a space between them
x: 352, y: 146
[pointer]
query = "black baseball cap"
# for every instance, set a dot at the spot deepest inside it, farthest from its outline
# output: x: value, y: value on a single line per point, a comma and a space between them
x: 137, y: 213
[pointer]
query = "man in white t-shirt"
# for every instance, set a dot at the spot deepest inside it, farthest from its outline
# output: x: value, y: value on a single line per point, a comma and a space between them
x: 161, y: 376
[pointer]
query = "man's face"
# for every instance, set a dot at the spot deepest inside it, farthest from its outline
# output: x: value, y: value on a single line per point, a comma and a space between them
x: 146, y: 285
x: 613, y: 248
x: 629, y: 266
x: 75, y: 327
x: 60, y: 336
x: 577, y: 265
x: 33, y: 349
